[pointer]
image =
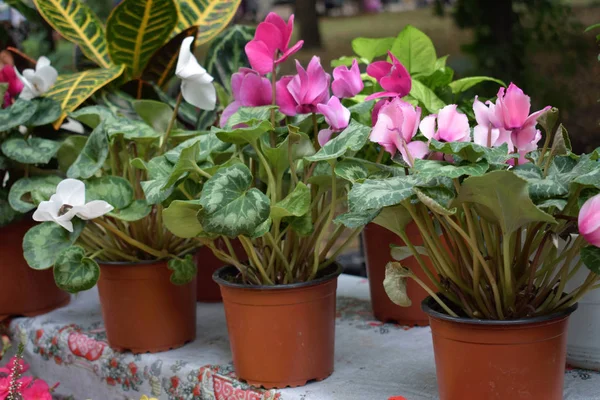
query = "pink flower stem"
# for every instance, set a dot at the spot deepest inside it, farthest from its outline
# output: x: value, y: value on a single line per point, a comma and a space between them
x: 316, y: 131
x: 273, y: 85
x: 380, y: 156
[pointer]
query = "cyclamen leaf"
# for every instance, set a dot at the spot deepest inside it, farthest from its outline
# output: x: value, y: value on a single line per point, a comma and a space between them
x: 395, y: 284
x: 31, y: 151
x: 154, y: 113
x: 432, y: 168
x: 47, y: 111
x: 184, y: 271
x: 92, y: 115
x: 376, y: 194
x: 115, y: 190
x: 209, y: 143
x: 135, y: 211
x: 17, y: 114
x: 244, y: 135
x: 352, y: 171
x: 295, y: 204
x: 181, y: 218
x: 92, y: 156
x: 464, y: 84
x: 36, y: 187
x: 352, y: 138
x: 44, y: 242
x: 74, y: 272
x: 7, y: 213
x: 159, y: 170
x: 590, y: 256
x: 370, y: 49
x: 355, y: 220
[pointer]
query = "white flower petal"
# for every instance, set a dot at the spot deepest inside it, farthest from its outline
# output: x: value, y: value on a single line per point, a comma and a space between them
x: 68, y: 225
x: 73, y: 125
x: 43, y: 61
x: 48, y: 76
x: 46, y: 211
x: 187, y: 65
x: 94, y: 209
x: 71, y: 192
x: 28, y: 73
x: 199, y: 93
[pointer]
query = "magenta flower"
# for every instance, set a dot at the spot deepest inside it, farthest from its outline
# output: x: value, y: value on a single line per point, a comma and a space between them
x: 347, y: 82
x: 336, y: 115
x: 39, y: 390
x: 488, y: 131
x: 512, y: 113
x: 393, y: 78
x: 249, y: 90
x: 395, y: 129
x: 589, y: 221
x: 283, y: 98
x: 15, y: 86
x: 447, y: 126
x: 270, y: 45
x: 309, y: 87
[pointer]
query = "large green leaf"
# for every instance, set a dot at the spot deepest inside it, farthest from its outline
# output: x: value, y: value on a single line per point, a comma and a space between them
x: 370, y: 49
x: 69, y: 151
x: 159, y: 170
x: 181, y: 218
x: 26, y: 193
x: 351, y: 170
x: 226, y: 54
x: 71, y: 90
x: 540, y: 188
x: 186, y: 163
x: 394, y: 219
x: 415, y: 50
x: 426, y: 97
x: 47, y: 111
x: 253, y: 116
x: 230, y: 206
x: 374, y: 194
x: 74, y: 20
x: 161, y: 66
x: 209, y: 143
x: 211, y: 16
x: 243, y: 135
x: 357, y: 219
x: 130, y: 130
x: 92, y: 156
x: 184, y: 270
x: 17, y: 114
x: 473, y: 152
x: 279, y: 156
x: 464, y: 84
x: 135, y: 211
x: 74, y: 272
x: 155, y: 113
x: 92, y: 115
x: 115, y: 190
x: 294, y: 204
x: 44, y: 242
x: 352, y: 138
x: 504, y: 197
x: 30, y: 151
x: 432, y: 168
x: 136, y: 29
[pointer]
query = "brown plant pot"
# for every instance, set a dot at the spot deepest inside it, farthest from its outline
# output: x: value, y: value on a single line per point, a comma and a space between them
x: 376, y: 242
x: 142, y: 310
x: 281, y: 335
x: 208, y: 290
x: 515, y: 359
x: 24, y: 291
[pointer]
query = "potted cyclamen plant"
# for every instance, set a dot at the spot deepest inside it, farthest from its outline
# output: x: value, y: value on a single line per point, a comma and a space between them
x: 28, y: 149
x: 498, y: 303
x: 279, y: 196
x: 104, y: 222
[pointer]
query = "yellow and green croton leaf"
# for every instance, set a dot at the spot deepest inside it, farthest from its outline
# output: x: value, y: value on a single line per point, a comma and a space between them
x: 71, y: 90
x: 136, y: 29
x: 211, y: 16
x: 75, y: 21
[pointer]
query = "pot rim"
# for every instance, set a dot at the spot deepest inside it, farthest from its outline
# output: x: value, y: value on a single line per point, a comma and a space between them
x: 217, y: 277
x: 428, y: 303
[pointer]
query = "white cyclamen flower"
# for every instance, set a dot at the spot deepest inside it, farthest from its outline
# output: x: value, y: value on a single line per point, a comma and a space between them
x: 38, y: 82
x: 68, y: 202
x: 196, y: 84
x: 72, y: 125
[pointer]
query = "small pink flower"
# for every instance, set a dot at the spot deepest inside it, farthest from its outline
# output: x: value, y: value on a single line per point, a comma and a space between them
x: 39, y: 390
x: 487, y: 132
x: 309, y: 87
x: 283, y: 98
x: 447, y: 126
x: 270, y: 45
x: 15, y: 85
x: 393, y: 78
x: 396, y: 126
x: 249, y: 89
x: 589, y: 221
x: 336, y: 115
x: 347, y: 82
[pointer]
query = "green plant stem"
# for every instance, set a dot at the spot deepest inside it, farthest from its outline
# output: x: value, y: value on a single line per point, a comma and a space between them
x: 380, y: 156
x: 270, y: 177
x: 272, y: 137
x: 549, y: 136
x: 249, y: 247
x: 279, y: 253
x: 131, y: 241
x: 165, y: 139
x: 434, y: 296
x: 342, y: 247
x: 230, y: 248
x: 202, y: 172
x: 315, y: 131
x: 325, y: 227
x: 336, y: 235
x: 420, y: 260
x: 507, y: 270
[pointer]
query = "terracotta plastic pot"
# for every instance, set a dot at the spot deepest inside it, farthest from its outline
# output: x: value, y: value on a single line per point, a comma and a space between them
x: 499, y: 360
x: 280, y: 335
x: 376, y: 242
x: 208, y: 290
x: 24, y: 291
x: 142, y: 310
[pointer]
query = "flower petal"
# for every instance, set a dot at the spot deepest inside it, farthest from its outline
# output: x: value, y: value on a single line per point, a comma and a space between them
x: 199, y: 93
x: 259, y: 56
x: 379, y: 69
x: 94, y: 209
x: 71, y: 192
x: 228, y: 112
x: 427, y: 126
x: 324, y: 136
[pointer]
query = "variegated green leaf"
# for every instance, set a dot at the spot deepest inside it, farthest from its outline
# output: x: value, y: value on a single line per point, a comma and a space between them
x: 159, y: 170
x: 352, y: 171
x: 135, y: 211
x: 74, y: 272
x: 184, y: 271
x: 432, y: 168
x: 136, y: 29
x: 209, y: 143
x: 44, y: 242
x: 17, y: 114
x: 211, y: 16
x: 31, y: 151
x: 26, y: 193
x: 375, y: 194
x: 74, y: 20
x: 115, y: 190
x: 72, y: 90
x: 226, y: 54
x: 161, y: 67
x: 352, y: 138
x: 294, y: 204
x: 355, y: 220
x: 92, y: 155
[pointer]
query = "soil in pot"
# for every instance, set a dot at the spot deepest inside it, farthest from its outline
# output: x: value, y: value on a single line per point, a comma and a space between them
x: 24, y: 291
x: 281, y: 335
x: 142, y: 310
x: 499, y: 360
x: 376, y: 242
x: 208, y: 290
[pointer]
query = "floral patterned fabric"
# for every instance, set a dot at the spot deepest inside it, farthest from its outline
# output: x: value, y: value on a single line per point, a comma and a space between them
x: 373, y: 360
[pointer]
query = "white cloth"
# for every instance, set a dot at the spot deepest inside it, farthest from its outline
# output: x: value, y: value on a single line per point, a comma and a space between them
x: 372, y: 360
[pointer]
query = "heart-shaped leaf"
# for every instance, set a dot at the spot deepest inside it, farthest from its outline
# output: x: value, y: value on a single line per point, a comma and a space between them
x: 243, y: 135
x: 181, y: 218
x: 395, y: 284
x: 92, y: 156
x: 352, y: 171
x: 375, y: 194
x: 47, y: 111
x: 74, y: 272
x: 37, y: 187
x: 44, y: 242
x: 370, y: 49
x: 92, y: 115
x: 184, y: 271
x: 17, y: 114
x: 135, y: 211
x: 159, y: 170
x: 154, y: 113
x: 294, y: 204
x: 352, y: 138
x: 433, y: 168
x: 355, y: 220
x: 30, y: 151
x: 590, y: 256
x: 115, y: 190
x: 415, y: 51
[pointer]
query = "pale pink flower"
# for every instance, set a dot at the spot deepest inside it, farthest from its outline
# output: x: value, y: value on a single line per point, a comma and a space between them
x: 336, y: 115
x: 249, y: 89
x: 447, y: 126
x: 347, y: 82
x: 589, y: 221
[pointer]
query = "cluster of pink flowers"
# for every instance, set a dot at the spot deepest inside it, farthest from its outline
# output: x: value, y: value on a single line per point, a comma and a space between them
x: 306, y: 92
x: 29, y: 388
x: 15, y: 86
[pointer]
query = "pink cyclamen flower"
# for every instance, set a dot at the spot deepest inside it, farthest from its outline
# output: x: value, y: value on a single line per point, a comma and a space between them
x: 249, y: 90
x: 309, y: 87
x: 336, y: 115
x: 39, y: 390
x: 488, y: 131
x: 512, y: 113
x: 283, y: 98
x: 589, y: 221
x: 270, y: 45
x: 393, y: 78
x: 15, y: 85
x: 447, y: 126
x: 347, y: 82
x: 395, y: 129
